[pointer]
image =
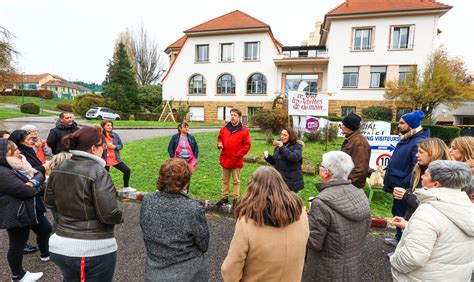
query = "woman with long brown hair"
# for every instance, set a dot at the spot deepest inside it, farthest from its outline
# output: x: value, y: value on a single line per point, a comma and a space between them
x: 462, y: 150
x: 271, y: 232
x: 429, y: 150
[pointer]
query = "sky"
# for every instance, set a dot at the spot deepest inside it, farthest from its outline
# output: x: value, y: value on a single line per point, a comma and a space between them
x: 75, y: 38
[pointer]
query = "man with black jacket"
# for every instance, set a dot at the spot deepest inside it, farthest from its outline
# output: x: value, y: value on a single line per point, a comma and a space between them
x: 64, y: 126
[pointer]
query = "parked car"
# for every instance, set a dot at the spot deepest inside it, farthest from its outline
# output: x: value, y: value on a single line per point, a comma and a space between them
x: 102, y: 113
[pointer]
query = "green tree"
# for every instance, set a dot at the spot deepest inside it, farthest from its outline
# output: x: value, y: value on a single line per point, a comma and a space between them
x: 119, y: 85
x: 443, y: 81
x: 149, y: 97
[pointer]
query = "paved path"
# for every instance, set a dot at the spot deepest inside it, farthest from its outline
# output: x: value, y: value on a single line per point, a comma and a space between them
x: 45, y: 123
x: 132, y: 253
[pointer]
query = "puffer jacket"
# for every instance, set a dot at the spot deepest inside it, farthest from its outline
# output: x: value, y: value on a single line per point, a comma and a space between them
x: 56, y: 135
x: 288, y: 160
x: 17, y: 200
x: 339, y: 222
x: 438, y: 241
x: 357, y: 146
x: 81, y: 191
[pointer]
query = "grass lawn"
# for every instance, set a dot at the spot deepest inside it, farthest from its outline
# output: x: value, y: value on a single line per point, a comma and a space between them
x: 145, y: 123
x: 145, y: 157
x: 13, y: 113
x: 49, y: 104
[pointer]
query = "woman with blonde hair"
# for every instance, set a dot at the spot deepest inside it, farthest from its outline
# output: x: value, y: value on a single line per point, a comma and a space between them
x: 429, y: 150
x: 462, y: 150
x: 271, y: 233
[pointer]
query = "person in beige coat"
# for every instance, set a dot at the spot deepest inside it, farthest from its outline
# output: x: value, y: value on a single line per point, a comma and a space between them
x: 438, y: 242
x: 271, y: 232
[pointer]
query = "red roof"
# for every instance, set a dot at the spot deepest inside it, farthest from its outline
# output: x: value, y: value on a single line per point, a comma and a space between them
x: 371, y: 6
x: 178, y: 43
x: 233, y: 20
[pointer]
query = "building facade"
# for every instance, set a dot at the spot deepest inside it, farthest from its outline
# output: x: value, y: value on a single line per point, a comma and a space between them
x: 235, y: 61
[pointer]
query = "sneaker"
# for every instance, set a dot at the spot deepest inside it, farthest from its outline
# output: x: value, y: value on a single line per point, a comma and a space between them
x: 389, y: 255
x: 31, y: 276
x: 128, y: 190
x: 391, y: 242
x: 44, y: 258
x: 27, y: 249
x: 222, y: 201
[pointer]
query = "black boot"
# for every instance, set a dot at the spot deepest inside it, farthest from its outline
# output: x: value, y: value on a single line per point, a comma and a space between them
x: 222, y: 201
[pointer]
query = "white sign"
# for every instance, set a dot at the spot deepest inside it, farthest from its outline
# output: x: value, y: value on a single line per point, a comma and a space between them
x: 369, y: 128
x: 300, y: 104
x: 382, y: 147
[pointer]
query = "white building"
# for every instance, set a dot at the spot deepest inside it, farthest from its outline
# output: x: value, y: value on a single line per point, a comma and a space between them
x: 362, y: 44
x: 223, y: 63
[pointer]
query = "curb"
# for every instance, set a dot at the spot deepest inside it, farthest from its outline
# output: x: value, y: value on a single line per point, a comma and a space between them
x: 209, y: 205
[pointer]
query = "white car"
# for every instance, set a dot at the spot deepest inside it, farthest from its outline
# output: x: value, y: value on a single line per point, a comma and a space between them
x: 102, y: 113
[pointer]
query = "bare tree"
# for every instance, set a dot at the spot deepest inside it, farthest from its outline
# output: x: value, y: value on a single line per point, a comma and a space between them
x: 7, y: 54
x: 149, y: 61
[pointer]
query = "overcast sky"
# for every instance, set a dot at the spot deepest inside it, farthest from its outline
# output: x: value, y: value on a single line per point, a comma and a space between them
x: 75, y: 38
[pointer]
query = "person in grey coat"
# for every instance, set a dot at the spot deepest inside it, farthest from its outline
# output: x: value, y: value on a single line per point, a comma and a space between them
x: 174, y: 228
x: 339, y: 222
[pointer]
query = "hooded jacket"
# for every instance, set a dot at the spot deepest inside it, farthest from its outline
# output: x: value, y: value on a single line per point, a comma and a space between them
x: 236, y: 144
x: 56, y: 135
x: 17, y: 200
x: 438, y: 241
x: 339, y: 222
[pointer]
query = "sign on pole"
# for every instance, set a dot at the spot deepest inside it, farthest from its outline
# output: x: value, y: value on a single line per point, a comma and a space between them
x: 302, y: 104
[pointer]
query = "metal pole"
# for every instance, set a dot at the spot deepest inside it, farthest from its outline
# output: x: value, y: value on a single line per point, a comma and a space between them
x: 22, y: 86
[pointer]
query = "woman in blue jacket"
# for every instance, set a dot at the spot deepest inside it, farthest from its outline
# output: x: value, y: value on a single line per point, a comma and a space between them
x: 184, y: 146
x: 111, y: 154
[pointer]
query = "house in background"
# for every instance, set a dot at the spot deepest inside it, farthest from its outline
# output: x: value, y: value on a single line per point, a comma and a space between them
x: 61, y: 88
x: 235, y: 61
x: 223, y: 63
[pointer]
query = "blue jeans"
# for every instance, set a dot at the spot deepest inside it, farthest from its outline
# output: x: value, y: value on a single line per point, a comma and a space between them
x: 98, y: 268
x: 399, y: 208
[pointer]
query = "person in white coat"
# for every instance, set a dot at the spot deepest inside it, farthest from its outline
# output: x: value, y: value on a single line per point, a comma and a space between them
x: 438, y: 241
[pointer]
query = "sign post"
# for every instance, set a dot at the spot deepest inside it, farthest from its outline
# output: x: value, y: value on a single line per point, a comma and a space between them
x: 42, y: 105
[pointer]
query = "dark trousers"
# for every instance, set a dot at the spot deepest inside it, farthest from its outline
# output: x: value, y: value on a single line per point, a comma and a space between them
x: 98, y: 268
x: 399, y: 208
x: 18, y: 236
x: 125, y: 170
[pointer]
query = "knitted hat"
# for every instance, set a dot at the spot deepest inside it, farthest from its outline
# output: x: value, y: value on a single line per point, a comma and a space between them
x: 414, y: 119
x: 352, y: 121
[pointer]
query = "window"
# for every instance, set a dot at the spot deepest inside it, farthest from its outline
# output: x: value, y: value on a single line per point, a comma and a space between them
x: 301, y: 82
x: 196, y: 113
x: 377, y: 76
x: 202, y: 53
x: 362, y: 39
x: 223, y: 113
x: 251, y: 112
x: 402, y: 37
x: 197, y: 84
x: 256, y: 84
x: 226, y: 84
x: 227, y: 52
x: 405, y: 73
x: 252, y: 51
x: 345, y: 111
x: 401, y: 112
x: 351, y: 77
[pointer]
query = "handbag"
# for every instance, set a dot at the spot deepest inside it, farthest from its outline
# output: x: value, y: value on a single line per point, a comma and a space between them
x: 26, y: 213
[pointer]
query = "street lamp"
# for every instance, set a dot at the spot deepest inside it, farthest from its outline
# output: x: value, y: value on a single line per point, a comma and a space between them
x: 22, y: 86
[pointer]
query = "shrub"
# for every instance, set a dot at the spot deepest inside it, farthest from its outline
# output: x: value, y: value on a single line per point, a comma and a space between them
x: 148, y: 116
x: 30, y: 108
x: 445, y: 133
x: 131, y: 117
x: 377, y: 113
x: 149, y: 97
x: 84, y: 102
x: 46, y: 94
x: 328, y: 133
x: 181, y: 111
x: 65, y: 107
x: 271, y: 120
x: 312, y: 136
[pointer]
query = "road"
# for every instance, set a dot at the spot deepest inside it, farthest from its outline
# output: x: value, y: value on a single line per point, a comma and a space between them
x: 132, y: 253
x: 45, y: 123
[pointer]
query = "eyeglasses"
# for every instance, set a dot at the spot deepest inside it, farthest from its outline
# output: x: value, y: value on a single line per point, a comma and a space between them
x: 321, y: 166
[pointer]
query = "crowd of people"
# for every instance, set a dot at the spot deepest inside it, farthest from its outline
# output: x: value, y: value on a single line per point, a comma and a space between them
x: 275, y: 238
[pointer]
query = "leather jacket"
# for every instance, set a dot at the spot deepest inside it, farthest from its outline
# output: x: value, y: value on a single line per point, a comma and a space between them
x: 81, y: 191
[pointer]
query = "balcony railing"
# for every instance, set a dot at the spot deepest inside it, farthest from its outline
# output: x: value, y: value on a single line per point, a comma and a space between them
x: 304, y: 52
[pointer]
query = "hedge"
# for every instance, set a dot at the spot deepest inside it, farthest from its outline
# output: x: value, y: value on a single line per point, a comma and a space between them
x: 30, y: 108
x: 84, y: 102
x: 46, y: 94
x: 446, y: 133
x: 65, y: 107
x: 147, y: 116
x: 377, y: 113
